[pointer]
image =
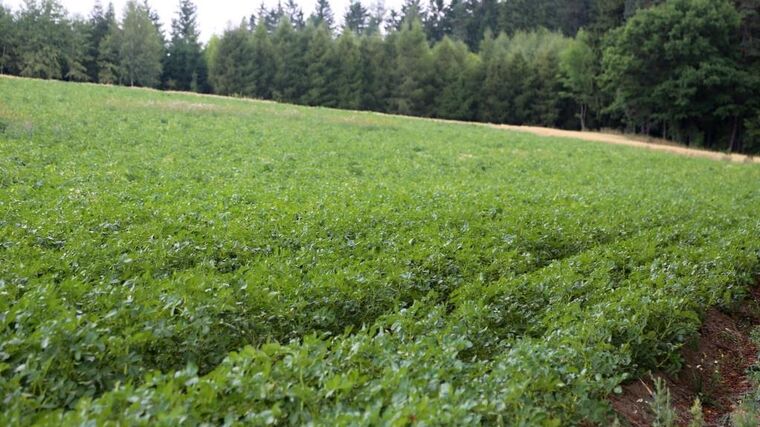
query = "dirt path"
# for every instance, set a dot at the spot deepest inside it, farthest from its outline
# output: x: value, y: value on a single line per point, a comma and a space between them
x: 610, y: 138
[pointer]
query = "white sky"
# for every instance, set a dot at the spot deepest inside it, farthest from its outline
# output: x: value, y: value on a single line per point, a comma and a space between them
x: 213, y: 15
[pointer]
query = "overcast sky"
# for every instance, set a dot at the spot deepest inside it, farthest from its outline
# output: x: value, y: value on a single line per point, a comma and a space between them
x: 213, y: 15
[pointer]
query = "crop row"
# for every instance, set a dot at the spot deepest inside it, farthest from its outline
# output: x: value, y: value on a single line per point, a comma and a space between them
x: 540, y: 349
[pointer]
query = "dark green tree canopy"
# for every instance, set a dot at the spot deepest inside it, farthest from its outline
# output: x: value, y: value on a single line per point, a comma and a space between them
x: 686, y: 70
x: 356, y: 18
x: 184, y: 68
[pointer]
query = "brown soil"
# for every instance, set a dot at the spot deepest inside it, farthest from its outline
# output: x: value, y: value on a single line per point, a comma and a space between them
x: 619, y: 139
x: 714, y: 370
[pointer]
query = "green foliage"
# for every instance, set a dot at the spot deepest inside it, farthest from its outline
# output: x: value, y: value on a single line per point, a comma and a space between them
x: 140, y: 47
x: 675, y: 66
x: 229, y: 67
x: 454, y: 69
x: 697, y: 416
x: 685, y: 70
x: 290, y: 49
x: 664, y: 414
x: 321, y: 68
x: 348, y: 76
x: 356, y: 18
x: 47, y: 45
x: 108, y: 55
x: 8, y: 41
x: 184, y: 67
x: 413, y: 70
x: 577, y: 64
x: 169, y: 259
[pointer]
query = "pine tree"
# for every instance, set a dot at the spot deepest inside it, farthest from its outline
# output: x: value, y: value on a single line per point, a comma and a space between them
x: 96, y: 31
x: 108, y: 54
x: 290, y: 58
x: 262, y: 63
x: 323, y: 14
x: 8, y: 41
x: 376, y: 17
x: 348, y: 76
x: 356, y: 18
x: 506, y: 84
x: 414, y: 93
x: 77, y: 52
x: 452, y: 64
x: 184, y: 68
x: 231, y: 70
x: 272, y: 17
x: 377, y: 56
x: 156, y: 20
x: 294, y: 14
x: 321, y: 69
x: 44, y: 40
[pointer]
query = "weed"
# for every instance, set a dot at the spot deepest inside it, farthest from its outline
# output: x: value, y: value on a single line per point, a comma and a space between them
x: 664, y: 414
x: 697, y: 416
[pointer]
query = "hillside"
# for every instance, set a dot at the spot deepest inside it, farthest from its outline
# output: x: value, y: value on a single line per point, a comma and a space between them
x: 173, y: 258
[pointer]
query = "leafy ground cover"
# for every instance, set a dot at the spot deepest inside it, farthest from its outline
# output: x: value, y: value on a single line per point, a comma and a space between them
x: 170, y: 258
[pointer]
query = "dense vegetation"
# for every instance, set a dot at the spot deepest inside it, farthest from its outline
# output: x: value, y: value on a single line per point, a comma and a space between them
x: 169, y: 258
x: 686, y: 70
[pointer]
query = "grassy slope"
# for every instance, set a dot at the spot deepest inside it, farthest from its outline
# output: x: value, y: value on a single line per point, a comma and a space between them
x: 521, y: 277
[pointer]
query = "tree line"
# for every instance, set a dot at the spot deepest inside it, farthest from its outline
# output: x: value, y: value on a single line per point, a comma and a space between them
x: 685, y: 70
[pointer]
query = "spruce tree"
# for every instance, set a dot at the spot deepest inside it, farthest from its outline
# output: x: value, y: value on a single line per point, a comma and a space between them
x: 356, y: 18
x: 413, y: 66
x: 231, y: 70
x: 99, y: 23
x: 44, y: 37
x: 8, y: 41
x: 321, y: 69
x: 323, y: 14
x: 108, y: 54
x: 373, y: 63
x: 348, y: 78
x: 450, y: 62
x: 262, y: 63
x: 290, y: 47
x: 184, y: 68
x: 294, y: 14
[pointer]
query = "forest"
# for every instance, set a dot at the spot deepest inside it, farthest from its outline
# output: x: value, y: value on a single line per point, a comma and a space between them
x: 682, y: 70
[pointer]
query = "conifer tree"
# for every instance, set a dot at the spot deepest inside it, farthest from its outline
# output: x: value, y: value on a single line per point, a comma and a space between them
x: 377, y: 56
x: 413, y: 66
x: 294, y: 14
x: 45, y: 39
x: 108, y: 65
x: 184, y: 68
x: 231, y: 67
x: 8, y: 41
x: 290, y: 48
x: 262, y: 63
x: 348, y: 78
x: 323, y: 14
x: 356, y: 18
x: 451, y: 63
x: 321, y: 69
